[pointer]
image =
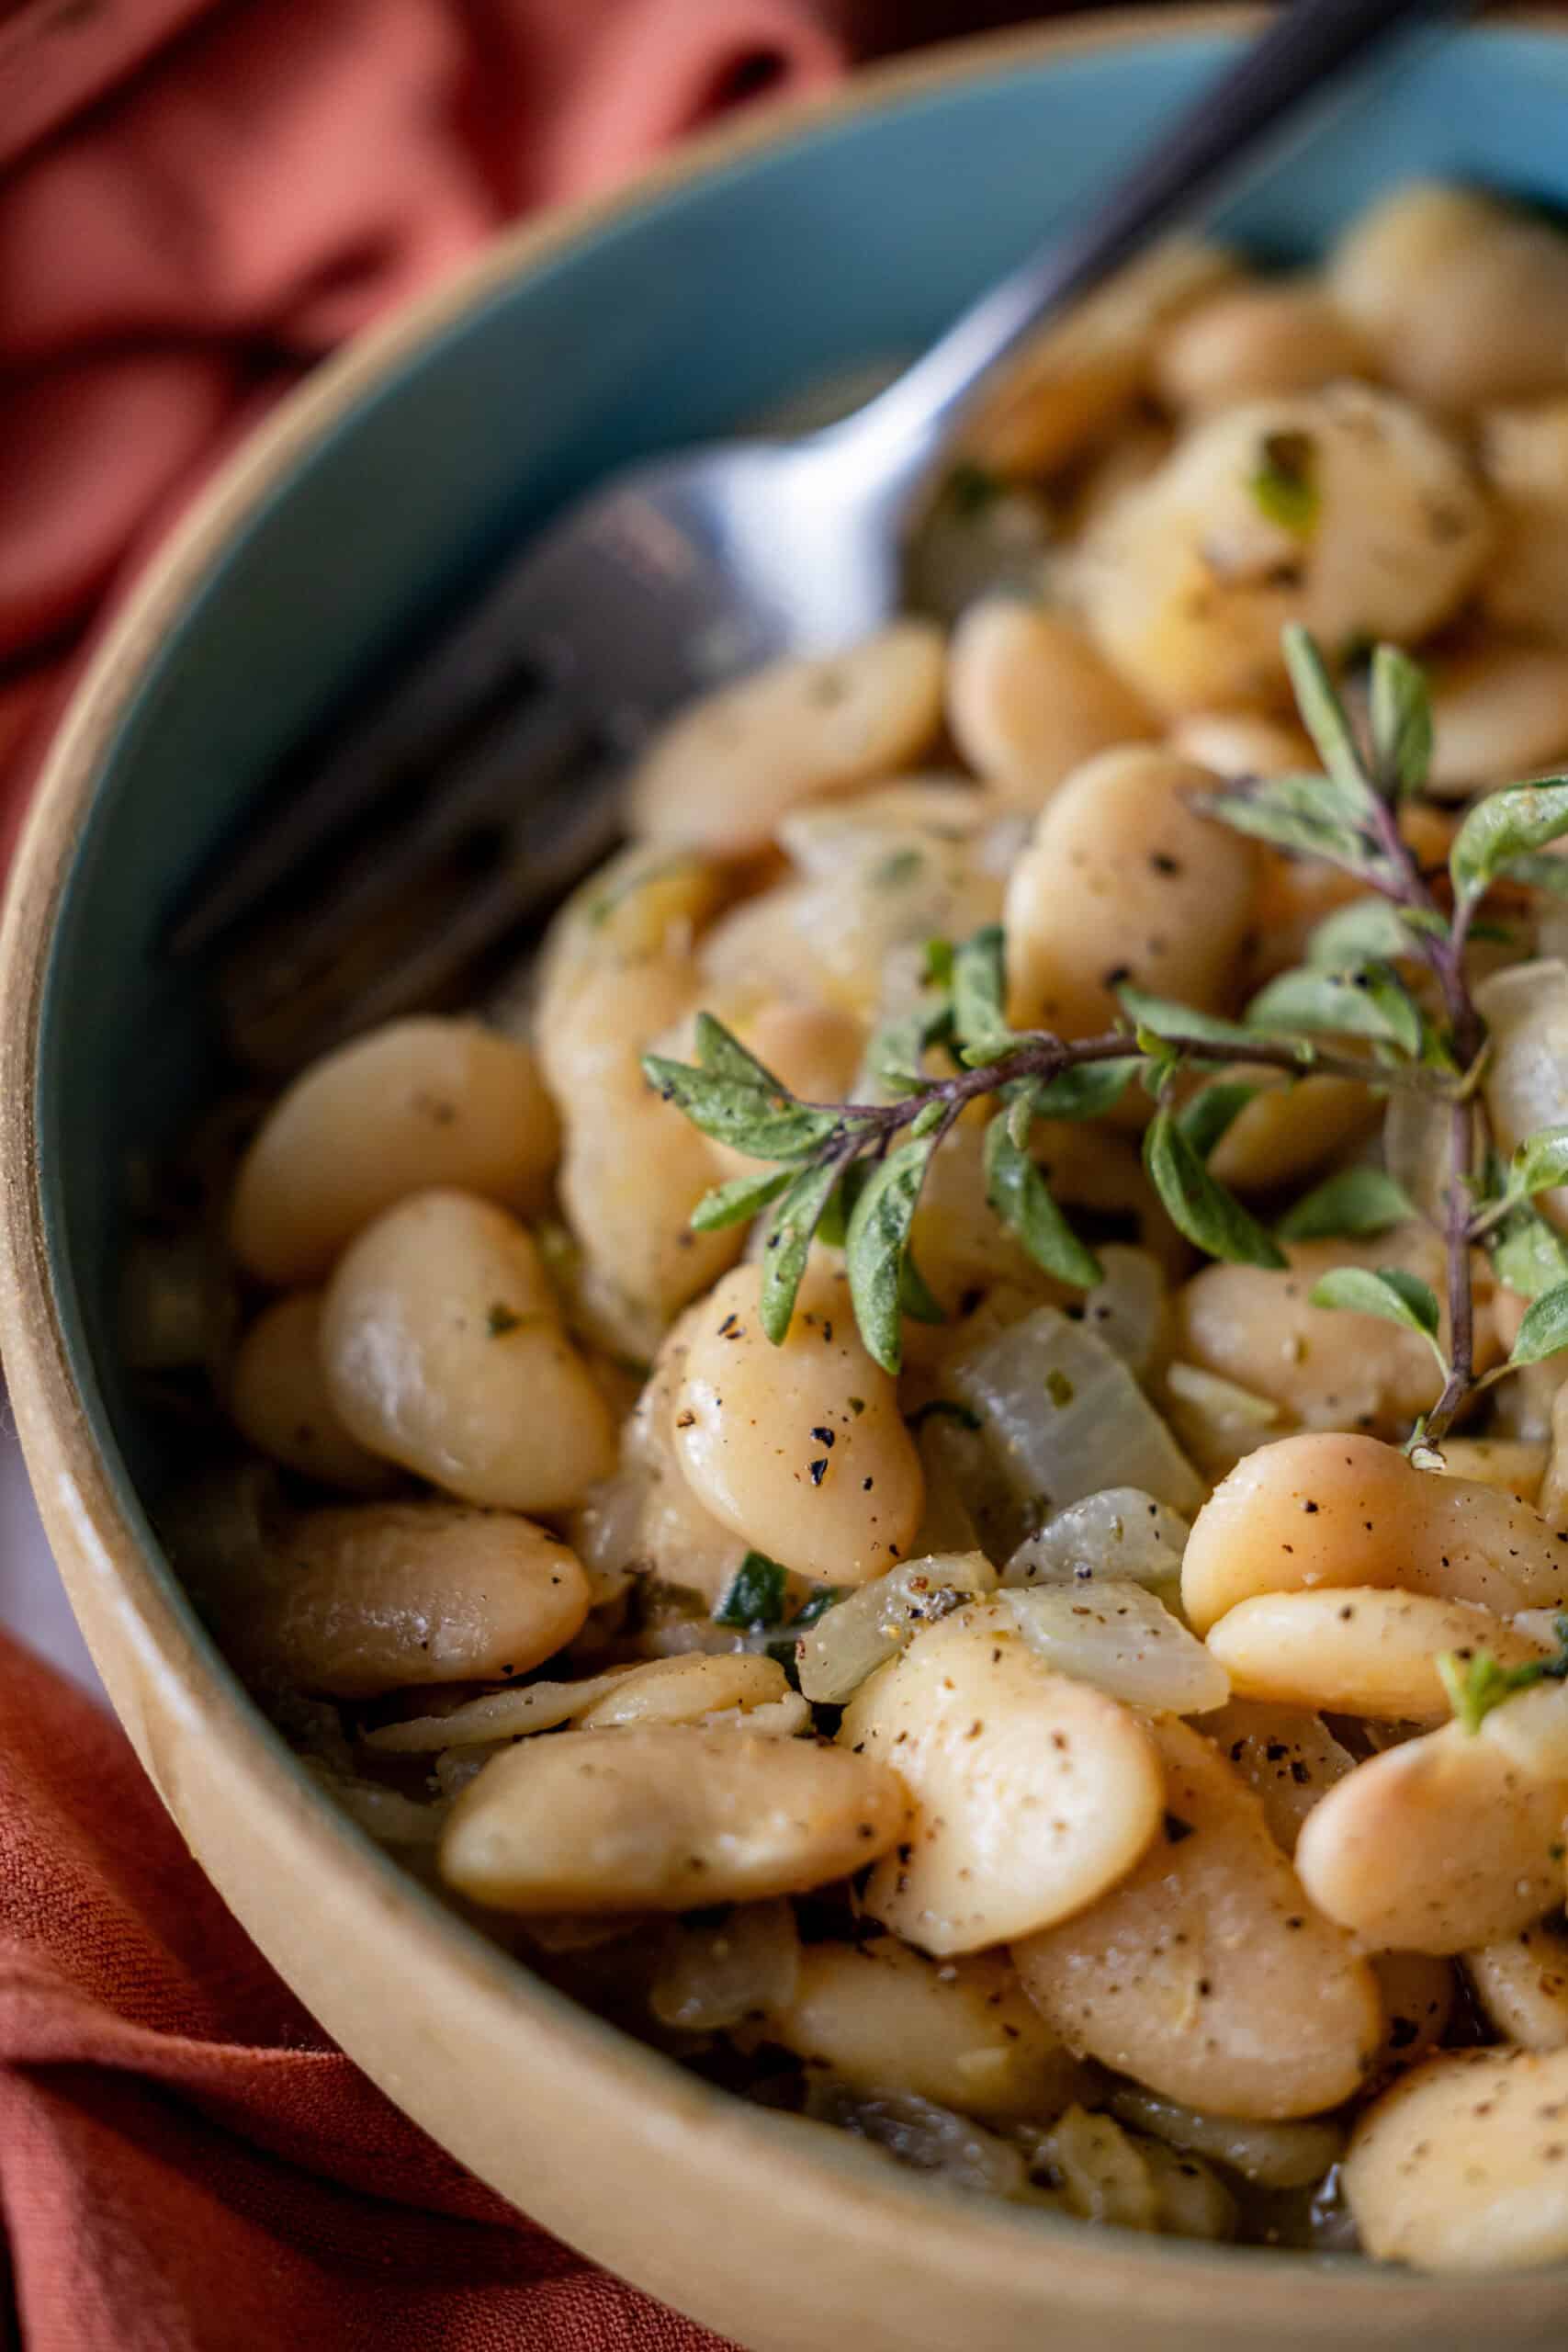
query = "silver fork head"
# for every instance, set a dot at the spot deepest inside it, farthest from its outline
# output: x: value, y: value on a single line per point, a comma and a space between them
x: 485, y: 785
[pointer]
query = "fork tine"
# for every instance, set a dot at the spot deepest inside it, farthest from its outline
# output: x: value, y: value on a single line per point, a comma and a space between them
x: 473, y: 671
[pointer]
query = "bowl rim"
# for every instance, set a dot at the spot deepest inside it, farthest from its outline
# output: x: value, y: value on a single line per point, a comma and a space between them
x: 110, y: 1569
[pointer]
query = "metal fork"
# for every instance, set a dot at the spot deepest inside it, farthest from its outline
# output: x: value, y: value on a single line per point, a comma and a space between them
x: 483, y: 785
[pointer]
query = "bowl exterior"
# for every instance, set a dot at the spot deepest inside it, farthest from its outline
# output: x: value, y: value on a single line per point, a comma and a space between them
x: 317, y: 554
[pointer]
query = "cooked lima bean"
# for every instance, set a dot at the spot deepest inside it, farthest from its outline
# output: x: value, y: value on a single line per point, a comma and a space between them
x: 684, y: 1690
x: 1522, y: 1984
x: 1463, y: 2165
x: 1333, y: 1511
x: 1034, y: 1793
x: 1181, y: 1976
x: 665, y: 1817
x: 278, y: 1396
x: 1123, y: 880
x: 880, y: 2017
x: 799, y: 1449
x: 443, y: 1350
x: 355, y: 1599
x: 419, y: 1102
x: 1357, y: 1651
x: 1030, y: 698
x: 1435, y: 1846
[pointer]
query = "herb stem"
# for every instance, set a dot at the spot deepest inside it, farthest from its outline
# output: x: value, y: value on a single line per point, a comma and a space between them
x: 1462, y: 1303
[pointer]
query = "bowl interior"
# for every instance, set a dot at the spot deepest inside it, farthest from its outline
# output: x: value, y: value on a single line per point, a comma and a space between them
x: 860, y: 235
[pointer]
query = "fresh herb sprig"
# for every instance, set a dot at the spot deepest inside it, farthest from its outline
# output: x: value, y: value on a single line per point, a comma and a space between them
x: 1382, y: 999
x: 1476, y: 1683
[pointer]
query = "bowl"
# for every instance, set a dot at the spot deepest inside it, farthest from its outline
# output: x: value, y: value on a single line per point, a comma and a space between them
x: 753, y: 264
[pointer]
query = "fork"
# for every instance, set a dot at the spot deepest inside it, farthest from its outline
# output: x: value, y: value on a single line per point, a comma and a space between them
x: 484, y: 783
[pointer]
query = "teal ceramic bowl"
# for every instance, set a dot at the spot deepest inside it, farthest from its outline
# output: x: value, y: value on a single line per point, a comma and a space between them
x: 751, y: 268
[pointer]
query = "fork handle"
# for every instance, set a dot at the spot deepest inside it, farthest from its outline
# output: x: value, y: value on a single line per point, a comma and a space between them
x: 1306, y: 46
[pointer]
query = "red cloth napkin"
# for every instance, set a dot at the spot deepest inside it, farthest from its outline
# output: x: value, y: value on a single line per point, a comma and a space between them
x: 185, y: 2164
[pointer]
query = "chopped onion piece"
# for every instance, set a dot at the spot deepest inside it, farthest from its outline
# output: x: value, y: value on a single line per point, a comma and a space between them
x: 1532, y: 1729
x: 1275, y: 2155
x: 1119, y: 1636
x: 861, y: 1633
x: 500, y: 1714
x: 386, y: 1814
x: 1103, y: 2175
x: 930, y: 2138
x: 1524, y: 1008
x: 1217, y: 1421
x: 713, y: 1977
x: 783, y: 1718
x: 1062, y: 1417
x: 1127, y: 1310
x: 1119, y: 1532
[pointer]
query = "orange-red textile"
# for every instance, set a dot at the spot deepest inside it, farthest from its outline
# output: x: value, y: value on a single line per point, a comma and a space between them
x: 197, y: 201
x: 186, y: 2165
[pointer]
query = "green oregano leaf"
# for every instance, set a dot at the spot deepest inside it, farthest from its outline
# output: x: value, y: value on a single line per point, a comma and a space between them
x: 1391, y: 1292
x: 893, y: 1057
x: 1540, y: 1163
x: 1355, y: 1202
x: 916, y: 1298
x: 1476, y: 1683
x: 734, y: 1098
x: 979, y: 989
x: 1541, y: 871
x: 754, y: 1596
x: 874, y: 1245
x: 1020, y: 1115
x: 1528, y: 1254
x: 832, y: 1225
x: 1372, y: 1002
x: 1158, y: 1016
x: 787, y: 1243
x: 1205, y: 1119
x: 1368, y: 931
x: 1021, y: 1197
x: 1327, y: 722
x: 1296, y: 813
x: 1507, y: 825
x: 1544, y: 1331
x: 1087, y: 1092
x: 1198, y: 1206
x: 1401, y: 718
x: 735, y: 1203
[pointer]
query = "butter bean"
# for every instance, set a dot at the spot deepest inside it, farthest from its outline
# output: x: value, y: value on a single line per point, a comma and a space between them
x: 359, y: 1599
x: 1355, y: 1650
x: 1463, y: 2165
x: 799, y: 1450
x: 723, y: 772
x: 1207, y: 1975
x: 1122, y: 879
x: 1252, y: 341
x: 880, y: 2017
x: 1030, y: 698
x: 1521, y: 1982
x: 665, y: 1817
x: 684, y: 1690
x: 1435, y: 1846
x: 1034, y: 1793
x: 443, y: 1350
x: 1322, y: 1510
x: 279, y: 1400
x: 420, y: 1102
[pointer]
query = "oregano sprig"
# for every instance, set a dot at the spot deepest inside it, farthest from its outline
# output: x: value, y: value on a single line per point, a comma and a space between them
x: 1381, y: 999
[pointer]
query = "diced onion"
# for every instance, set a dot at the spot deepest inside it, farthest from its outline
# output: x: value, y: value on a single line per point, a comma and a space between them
x: 712, y: 1978
x: 1127, y: 1310
x: 1532, y: 1730
x: 1063, y: 1417
x: 500, y: 1714
x: 386, y: 1814
x: 784, y: 1718
x: 1102, y: 2174
x: 1120, y: 1532
x: 930, y: 2138
x: 1217, y: 1421
x: 1524, y: 1008
x: 1274, y: 2156
x: 857, y: 1635
x: 1119, y: 1636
